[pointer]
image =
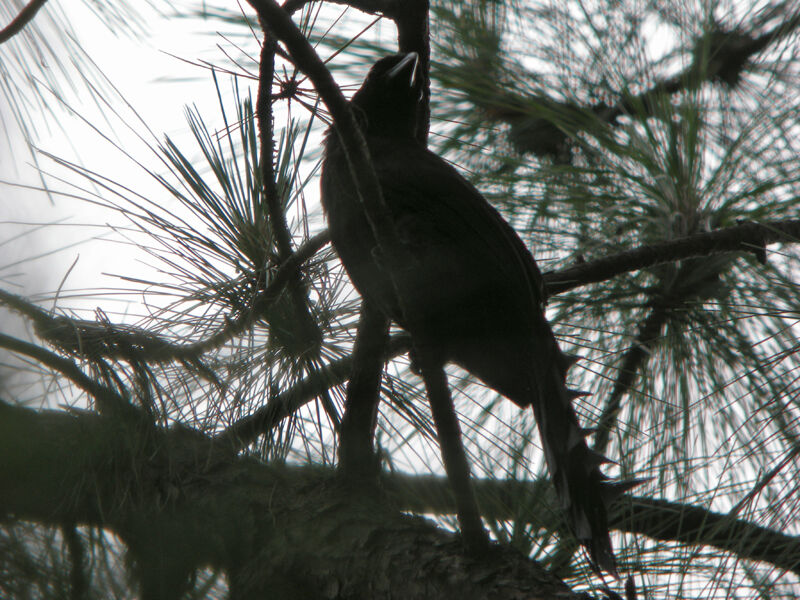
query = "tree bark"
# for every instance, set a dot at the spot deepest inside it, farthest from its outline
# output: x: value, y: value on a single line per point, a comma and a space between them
x: 180, y: 502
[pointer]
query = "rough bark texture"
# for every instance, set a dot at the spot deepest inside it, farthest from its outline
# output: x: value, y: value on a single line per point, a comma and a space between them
x: 180, y: 502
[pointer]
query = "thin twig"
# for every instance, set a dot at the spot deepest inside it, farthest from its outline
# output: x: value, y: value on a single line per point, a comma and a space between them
x: 108, y: 401
x: 247, y: 429
x: 387, y: 8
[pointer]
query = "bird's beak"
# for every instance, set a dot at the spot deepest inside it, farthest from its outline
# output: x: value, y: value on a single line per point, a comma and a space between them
x: 407, y: 64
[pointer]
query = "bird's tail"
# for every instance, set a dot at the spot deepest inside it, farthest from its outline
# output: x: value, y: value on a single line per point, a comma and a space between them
x: 584, y: 492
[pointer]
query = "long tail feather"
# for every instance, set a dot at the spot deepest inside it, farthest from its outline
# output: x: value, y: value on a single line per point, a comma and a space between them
x: 584, y: 492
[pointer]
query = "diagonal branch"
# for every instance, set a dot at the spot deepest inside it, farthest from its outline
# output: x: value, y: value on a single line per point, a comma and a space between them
x: 247, y: 429
x: 720, y: 55
x: 634, y: 359
x: 748, y: 237
x: 108, y: 400
x: 92, y: 339
x: 24, y: 17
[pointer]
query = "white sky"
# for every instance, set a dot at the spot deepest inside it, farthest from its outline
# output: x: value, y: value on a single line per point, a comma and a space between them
x: 139, y: 68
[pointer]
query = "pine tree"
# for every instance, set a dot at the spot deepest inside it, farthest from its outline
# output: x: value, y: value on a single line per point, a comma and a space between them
x: 187, y: 445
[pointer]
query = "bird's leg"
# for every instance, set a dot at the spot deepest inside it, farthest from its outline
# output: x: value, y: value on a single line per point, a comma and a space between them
x: 453, y: 454
x: 356, y: 454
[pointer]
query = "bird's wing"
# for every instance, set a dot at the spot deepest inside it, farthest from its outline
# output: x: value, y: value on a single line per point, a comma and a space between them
x: 436, y: 210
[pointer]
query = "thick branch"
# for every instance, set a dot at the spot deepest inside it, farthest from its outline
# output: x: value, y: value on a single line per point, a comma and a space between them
x: 59, y: 468
x: 749, y: 237
x: 24, y: 17
x: 658, y: 519
x: 179, y: 503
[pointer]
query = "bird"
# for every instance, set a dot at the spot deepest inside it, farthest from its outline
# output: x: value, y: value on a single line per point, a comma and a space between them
x: 458, y: 278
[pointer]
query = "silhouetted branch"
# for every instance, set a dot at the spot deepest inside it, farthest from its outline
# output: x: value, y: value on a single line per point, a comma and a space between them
x: 658, y: 519
x: 749, y: 237
x: 632, y: 361
x: 24, y: 17
x: 247, y: 429
x: 367, y: 187
x: 179, y: 503
x: 278, y: 226
x: 78, y: 576
x: 98, y: 339
x: 387, y: 8
x: 543, y: 125
x: 108, y: 401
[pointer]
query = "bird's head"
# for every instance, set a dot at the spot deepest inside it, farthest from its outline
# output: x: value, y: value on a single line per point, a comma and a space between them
x: 389, y: 97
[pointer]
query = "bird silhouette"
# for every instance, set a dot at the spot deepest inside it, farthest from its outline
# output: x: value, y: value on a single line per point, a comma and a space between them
x: 463, y: 284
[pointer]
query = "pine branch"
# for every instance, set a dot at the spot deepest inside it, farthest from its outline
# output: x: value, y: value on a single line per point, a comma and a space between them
x: 298, y: 292
x: 658, y: 519
x: 634, y: 360
x: 108, y: 400
x: 367, y: 187
x: 102, y: 339
x: 719, y: 55
x: 24, y: 17
x: 277, y: 218
x: 286, y: 403
x: 180, y: 502
x: 747, y: 237
x: 387, y: 8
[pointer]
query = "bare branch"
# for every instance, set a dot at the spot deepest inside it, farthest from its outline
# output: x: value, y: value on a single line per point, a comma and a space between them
x: 749, y: 237
x: 24, y: 17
